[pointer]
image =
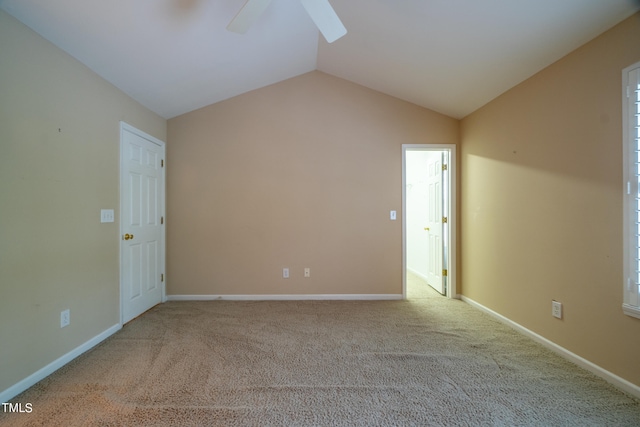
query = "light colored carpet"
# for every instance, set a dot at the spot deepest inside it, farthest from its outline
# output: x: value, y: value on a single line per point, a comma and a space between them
x: 428, y: 361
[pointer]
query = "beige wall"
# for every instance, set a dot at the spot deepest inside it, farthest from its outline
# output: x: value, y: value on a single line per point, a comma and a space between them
x: 59, y: 145
x: 299, y: 174
x: 542, y: 203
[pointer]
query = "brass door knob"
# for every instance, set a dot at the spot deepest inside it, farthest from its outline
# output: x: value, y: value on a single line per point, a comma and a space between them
x: 426, y: 229
x: 128, y: 236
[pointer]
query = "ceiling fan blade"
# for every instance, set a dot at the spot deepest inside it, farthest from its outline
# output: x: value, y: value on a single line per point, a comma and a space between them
x: 325, y: 19
x: 249, y: 14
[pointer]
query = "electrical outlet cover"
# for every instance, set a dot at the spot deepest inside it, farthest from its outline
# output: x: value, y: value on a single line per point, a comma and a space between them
x: 65, y: 318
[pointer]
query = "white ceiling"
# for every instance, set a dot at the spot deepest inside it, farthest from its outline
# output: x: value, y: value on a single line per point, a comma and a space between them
x: 452, y: 56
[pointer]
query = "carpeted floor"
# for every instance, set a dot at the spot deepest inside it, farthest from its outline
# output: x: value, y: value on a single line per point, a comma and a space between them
x: 428, y: 361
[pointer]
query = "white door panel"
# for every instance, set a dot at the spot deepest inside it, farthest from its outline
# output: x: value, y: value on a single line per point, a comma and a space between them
x: 434, y: 221
x: 142, y: 206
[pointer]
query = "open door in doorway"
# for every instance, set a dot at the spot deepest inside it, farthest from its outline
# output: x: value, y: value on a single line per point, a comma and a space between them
x: 427, y: 222
x: 436, y: 221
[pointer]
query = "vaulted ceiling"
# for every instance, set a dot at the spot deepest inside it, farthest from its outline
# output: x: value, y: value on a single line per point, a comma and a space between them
x: 451, y: 56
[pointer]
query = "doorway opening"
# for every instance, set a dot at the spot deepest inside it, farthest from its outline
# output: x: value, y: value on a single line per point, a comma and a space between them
x: 429, y: 220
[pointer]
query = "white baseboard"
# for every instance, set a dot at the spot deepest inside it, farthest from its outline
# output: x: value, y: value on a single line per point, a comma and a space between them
x: 417, y: 273
x: 282, y: 297
x: 21, y: 386
x: 610, y: 377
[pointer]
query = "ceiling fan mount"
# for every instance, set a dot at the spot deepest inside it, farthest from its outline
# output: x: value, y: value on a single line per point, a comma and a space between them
x: 320, y: 12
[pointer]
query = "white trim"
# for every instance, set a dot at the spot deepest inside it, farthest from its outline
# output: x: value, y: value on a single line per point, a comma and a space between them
x: 39, y: 375
x: 127, y: 127
x: 452, y: 286
x: 610, y: 377
x: 631, y: 310
x: 417, y: 273
x: 284, y: 297
x: 631, y: 298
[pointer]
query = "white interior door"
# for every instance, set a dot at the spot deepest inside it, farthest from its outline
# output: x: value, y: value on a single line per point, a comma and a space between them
x: 435, y: 222
x: 141, y: 222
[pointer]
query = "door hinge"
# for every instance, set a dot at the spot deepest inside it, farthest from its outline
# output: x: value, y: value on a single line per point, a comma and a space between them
x: 628, y: 91
x: 445, y: 167
x: 161, y: 220
x: 444, y: 272
x: 161, y: 163
x: 162, y: 277
x: 444, y: 220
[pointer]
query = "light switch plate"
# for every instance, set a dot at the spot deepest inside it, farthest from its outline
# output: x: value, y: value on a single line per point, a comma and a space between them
x: 107, y: 215
x: 392, y: 215
x: 556, y: 309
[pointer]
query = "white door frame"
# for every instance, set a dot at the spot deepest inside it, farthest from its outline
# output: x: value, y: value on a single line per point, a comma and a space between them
x: 452, y: 288
x: 127, y: 127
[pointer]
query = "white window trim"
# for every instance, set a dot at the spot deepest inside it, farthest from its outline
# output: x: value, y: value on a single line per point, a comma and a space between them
x: 631, y: 171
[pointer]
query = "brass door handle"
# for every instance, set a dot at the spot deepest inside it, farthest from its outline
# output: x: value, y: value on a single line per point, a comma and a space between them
x: 127, y: 236
x: 426, y: 229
